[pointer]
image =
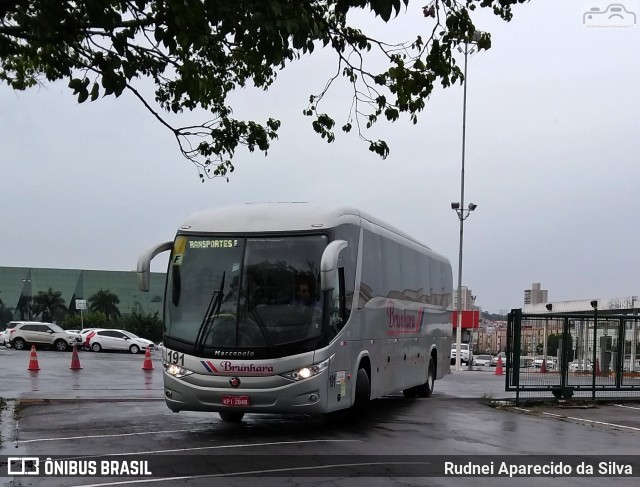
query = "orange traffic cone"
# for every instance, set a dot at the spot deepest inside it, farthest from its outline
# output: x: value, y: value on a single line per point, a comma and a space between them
x: 598, y: 367
x: 33, y: 359
x: 75, y: 360
x: 147, y: 364
x: 499, y: 366
x: 543, y: 367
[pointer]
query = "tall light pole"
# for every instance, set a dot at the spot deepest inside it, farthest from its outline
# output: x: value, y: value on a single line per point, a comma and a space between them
x: 634, y: 334
x: 462, y: 212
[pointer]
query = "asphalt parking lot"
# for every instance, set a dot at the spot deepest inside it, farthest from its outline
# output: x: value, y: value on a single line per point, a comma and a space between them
x: 112, y: 407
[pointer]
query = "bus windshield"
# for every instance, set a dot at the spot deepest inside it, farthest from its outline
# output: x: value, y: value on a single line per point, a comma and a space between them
x: 244, y: 292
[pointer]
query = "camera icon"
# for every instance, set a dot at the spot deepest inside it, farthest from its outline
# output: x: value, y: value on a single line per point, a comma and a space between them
x: 614, y: 15
x: 23, y: 465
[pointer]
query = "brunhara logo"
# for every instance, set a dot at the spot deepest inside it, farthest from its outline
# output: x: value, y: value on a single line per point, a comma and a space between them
x: 228, y: 367
x: 399, y: 321
x: 610, y: 15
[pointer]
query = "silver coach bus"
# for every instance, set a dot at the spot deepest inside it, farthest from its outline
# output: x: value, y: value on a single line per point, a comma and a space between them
x: 378, y: 319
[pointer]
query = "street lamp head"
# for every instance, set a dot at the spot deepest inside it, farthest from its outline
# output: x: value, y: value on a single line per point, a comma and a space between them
x: 455, y: 206
x: 594, y: 304
x: 472, y: 206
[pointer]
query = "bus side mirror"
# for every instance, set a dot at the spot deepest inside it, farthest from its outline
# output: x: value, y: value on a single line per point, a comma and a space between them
x: 329, y: 264
x: 144, y: 263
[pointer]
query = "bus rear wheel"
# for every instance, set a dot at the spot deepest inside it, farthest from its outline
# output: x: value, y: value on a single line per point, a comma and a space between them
x: 426, y: 389
x: 231, y: 416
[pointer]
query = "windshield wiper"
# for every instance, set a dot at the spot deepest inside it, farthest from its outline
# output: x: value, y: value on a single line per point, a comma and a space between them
x: 213, y: 310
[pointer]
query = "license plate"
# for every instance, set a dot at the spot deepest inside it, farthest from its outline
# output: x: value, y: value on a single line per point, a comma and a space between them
x: 235, y: 400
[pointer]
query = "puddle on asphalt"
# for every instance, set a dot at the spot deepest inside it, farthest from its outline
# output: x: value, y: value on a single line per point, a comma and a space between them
x: 34, y: 380
x: 9, y: 444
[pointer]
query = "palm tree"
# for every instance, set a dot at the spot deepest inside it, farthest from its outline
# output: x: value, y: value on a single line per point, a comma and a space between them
x: 105, y: 302
x: 6, y: 314
x: 50, y: 305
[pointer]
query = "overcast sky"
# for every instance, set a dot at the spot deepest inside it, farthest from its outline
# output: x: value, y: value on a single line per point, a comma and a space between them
x: 552, y: 163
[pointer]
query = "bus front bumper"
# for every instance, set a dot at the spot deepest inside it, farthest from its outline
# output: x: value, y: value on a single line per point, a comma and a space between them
x: 256, y: 395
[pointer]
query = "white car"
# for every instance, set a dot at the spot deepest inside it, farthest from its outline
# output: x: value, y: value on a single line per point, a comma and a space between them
x: 86, y: 335
x: 466, y: 354
x: 482, y: 360
x: 549, y: 364
x: 580, y: 366
x: 503, y: 359
x: 109, y: 339
x: 20, y: 334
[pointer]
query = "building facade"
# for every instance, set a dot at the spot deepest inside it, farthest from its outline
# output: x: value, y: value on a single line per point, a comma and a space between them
x: 18, y: 286
x: 468, y: 299
x: 535, y: 295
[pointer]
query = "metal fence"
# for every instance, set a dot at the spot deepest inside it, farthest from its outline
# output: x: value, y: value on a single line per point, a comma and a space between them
x: 573, y: 355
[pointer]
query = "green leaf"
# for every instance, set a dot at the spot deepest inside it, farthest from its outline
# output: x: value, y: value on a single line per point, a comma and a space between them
x: 95, y: 91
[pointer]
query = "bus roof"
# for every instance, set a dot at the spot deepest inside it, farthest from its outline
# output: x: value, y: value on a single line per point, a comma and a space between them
x: 269, y: 217
x: 280, y: 217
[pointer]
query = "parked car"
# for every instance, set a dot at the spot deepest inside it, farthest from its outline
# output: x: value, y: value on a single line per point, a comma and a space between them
x: 86, y: 335
x: 549, y: 365
x: 580, y: 366
x: 482, y: 360
x: 494, y: 359
x: 109, y: 339
x: 466, y: 354
x: 2, y: 334
x: 23, y: 333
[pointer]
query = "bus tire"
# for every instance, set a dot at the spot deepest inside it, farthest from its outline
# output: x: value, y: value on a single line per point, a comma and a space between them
x: 231, y: 416
x: 426, y: 389
x: 363, y: 396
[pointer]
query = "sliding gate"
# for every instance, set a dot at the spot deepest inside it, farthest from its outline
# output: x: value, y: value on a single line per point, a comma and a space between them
x: 573, y: 355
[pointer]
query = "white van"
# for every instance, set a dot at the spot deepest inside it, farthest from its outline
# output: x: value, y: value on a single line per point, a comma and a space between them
x: 466, y: 354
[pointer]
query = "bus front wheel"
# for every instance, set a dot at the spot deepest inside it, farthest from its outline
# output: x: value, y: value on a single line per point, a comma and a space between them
x: 363, y: 394
x: 358, y: 409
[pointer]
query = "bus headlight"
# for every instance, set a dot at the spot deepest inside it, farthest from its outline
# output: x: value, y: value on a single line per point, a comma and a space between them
x: 176, y: 371
x: 306, y: 372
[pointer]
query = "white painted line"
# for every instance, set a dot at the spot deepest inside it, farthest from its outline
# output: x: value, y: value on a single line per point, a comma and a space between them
x: 216, y: 447
x: 108, y: 436
x: 628, y: 407
x: 591, y: 421
x: 605, y: 424
x: 523, y: 409
x: 252, y: 472
x: 615, y: 425
x: 553, y: 414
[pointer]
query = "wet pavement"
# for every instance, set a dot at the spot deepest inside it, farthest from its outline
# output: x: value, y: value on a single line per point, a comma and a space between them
x: 103, y: 375
x: 113, y: 409
x: 120, y: 376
